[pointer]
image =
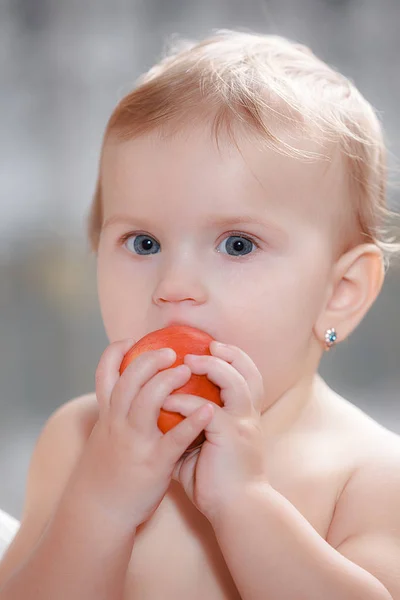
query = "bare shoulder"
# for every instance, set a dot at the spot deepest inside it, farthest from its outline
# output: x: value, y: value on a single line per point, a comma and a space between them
x: 365, y: 526
x: 58, y: 449
x: 371, y: 495
x: 55, y: 455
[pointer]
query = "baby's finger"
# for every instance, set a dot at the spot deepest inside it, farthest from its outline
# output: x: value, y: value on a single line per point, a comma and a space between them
x: 141, y: 370
x: 145, y: 410
x: 244, y: 364
x: 187, y: 404
x: 107, y: 372
x: 235, y: 392
x: 184, y: 404
x: 176, y: 441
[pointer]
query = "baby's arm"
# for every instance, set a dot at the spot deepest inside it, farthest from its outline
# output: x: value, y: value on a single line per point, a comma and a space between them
x: 55, y: 549
x: 90, y: 487
x: 272, y: 551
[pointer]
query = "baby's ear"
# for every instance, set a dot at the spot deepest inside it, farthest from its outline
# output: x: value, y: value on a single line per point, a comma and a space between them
x: 357, y: 279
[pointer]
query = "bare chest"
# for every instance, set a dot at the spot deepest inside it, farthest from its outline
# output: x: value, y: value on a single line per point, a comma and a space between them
x: 176, y: 554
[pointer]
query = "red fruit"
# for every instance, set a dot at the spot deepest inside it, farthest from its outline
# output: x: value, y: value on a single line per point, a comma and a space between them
x: 184, y: 340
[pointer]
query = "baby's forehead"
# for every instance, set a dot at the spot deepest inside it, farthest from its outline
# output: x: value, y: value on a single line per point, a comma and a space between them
x: 311, y: 183
x: 308, y: 175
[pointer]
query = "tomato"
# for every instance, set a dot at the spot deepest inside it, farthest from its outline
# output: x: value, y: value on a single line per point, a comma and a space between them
x: 184, y: 340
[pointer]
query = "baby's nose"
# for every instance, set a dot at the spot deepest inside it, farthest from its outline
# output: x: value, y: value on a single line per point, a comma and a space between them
x: 180, y: 285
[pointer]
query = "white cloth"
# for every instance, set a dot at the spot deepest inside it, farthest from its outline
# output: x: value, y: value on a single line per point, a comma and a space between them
x: 8, y: 528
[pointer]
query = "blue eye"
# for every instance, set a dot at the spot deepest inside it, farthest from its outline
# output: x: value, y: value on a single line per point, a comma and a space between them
x: 239, y: 245
x: 143, y: 245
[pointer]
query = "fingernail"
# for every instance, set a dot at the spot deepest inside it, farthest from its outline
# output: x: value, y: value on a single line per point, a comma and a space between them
x: 206, y: 411
x: 218, y: 345
x: 167, y: 352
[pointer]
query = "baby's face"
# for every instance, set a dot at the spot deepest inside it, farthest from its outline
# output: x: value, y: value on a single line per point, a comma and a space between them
x: 238, y: 245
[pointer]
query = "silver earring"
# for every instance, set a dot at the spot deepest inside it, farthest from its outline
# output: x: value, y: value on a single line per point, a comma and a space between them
x: 330, y: 338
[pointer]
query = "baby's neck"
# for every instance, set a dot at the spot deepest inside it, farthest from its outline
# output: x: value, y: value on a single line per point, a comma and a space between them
x: 295, y: 409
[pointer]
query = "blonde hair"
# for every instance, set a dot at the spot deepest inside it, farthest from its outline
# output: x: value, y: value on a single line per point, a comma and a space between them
x: 267, y: 84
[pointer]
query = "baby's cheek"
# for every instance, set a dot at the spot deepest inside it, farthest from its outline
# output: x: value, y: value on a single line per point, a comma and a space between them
x: 114, y: 321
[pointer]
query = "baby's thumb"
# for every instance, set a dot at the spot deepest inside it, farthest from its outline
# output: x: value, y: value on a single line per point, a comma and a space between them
x: 178, y: 439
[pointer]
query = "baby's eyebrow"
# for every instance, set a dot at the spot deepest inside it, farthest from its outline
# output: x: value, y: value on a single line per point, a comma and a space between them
x: 225, y: 220
x: 246, y: 219
x: 209, y: 221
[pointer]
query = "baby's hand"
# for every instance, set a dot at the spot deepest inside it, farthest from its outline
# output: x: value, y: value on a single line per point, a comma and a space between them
x: 129, y: 461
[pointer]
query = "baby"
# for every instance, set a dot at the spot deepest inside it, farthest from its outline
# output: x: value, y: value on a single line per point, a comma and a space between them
x: 241, y: 191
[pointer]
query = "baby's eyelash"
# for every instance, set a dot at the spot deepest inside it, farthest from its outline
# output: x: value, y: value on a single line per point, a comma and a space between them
x: 243, y: 235
x: 126, y: 236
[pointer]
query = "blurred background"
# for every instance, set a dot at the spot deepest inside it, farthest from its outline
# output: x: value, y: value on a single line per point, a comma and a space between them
x: 64, y: 65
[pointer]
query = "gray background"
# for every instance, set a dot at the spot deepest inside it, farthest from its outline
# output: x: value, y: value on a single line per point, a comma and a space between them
x: 63, y: 67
